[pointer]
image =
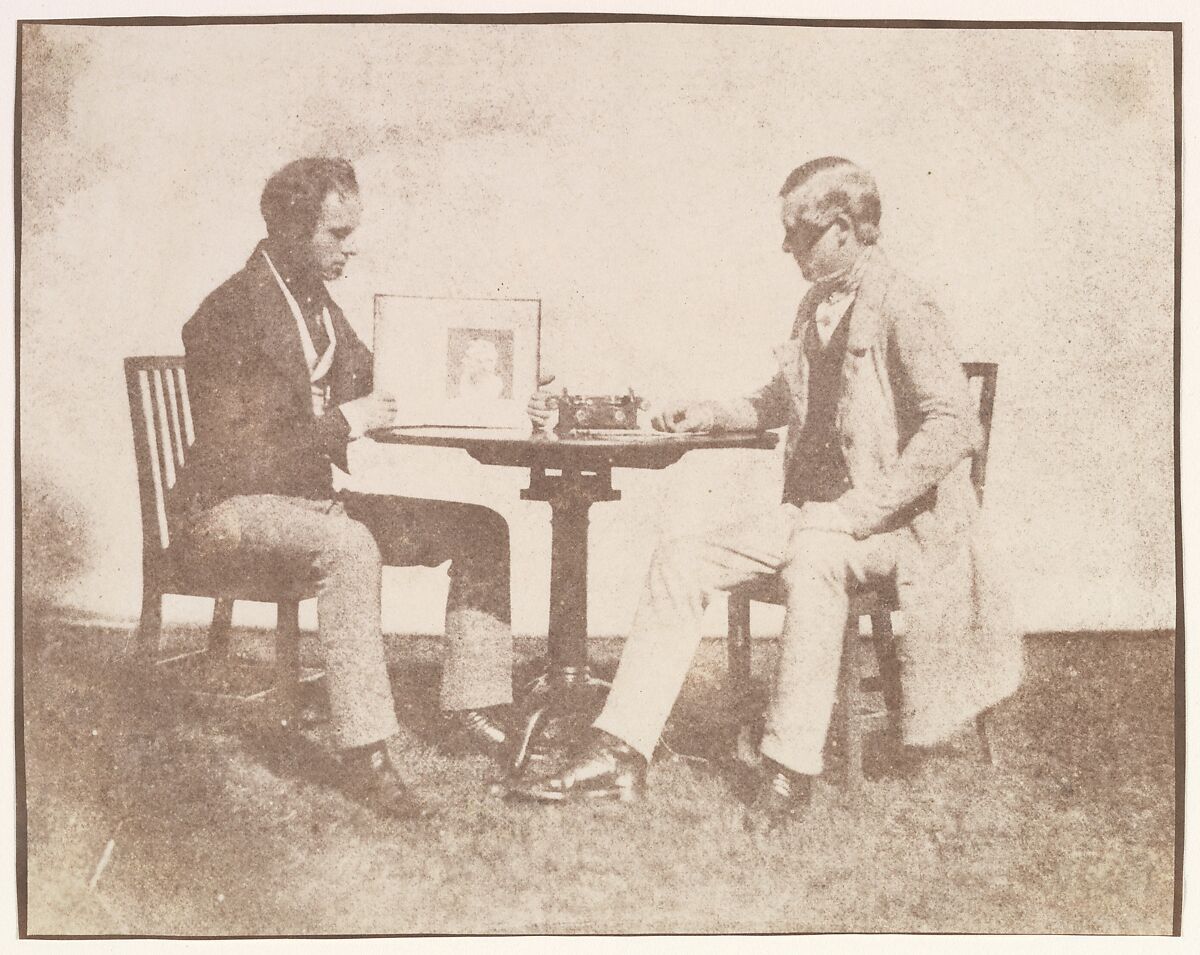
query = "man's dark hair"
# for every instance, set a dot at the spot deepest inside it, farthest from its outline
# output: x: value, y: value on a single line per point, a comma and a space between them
x: 292, y: 198
x: 838, y: 186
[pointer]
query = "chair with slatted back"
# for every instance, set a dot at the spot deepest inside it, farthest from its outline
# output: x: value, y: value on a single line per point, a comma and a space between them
x: 878, y: 603
x: 162, y: 437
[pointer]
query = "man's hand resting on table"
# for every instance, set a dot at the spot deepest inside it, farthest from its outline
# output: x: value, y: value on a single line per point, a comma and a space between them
x: 539, y: 408
x: 680, y: 416
x: 376, y: 410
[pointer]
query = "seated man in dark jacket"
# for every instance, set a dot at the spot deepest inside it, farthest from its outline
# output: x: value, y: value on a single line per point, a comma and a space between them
x: 279, y: 384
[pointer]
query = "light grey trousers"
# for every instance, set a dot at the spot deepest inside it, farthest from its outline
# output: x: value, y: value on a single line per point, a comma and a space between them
x: 344, y: 544
x: 817, y: 569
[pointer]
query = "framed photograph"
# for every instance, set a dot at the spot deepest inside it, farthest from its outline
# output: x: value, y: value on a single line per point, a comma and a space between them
x: 458, y: 362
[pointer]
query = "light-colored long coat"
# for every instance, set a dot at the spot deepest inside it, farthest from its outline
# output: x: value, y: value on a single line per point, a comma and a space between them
x: 908, y: 426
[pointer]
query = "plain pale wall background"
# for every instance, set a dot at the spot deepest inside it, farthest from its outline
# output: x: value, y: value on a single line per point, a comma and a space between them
x: 627, y: 176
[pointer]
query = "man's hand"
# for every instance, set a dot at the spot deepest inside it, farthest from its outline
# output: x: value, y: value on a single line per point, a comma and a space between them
x: 539, y: 408
x: 376, y: 410
x: 678, y: 417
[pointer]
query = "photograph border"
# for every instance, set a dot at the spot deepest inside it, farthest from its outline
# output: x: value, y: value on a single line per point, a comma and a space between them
x: 1175, y: 28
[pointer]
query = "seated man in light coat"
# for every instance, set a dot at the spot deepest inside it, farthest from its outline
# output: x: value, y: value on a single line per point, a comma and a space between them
x: 881, y: 427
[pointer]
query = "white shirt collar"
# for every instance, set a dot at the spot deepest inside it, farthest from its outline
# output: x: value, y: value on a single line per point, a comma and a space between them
x: 318, y: 366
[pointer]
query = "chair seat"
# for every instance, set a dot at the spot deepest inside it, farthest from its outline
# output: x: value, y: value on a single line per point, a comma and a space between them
x: 864, y: 601
x: 244, y: 577
x: 870, y: 600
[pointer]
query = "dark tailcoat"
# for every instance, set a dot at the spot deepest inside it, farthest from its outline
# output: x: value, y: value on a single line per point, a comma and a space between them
x: 251, y: 400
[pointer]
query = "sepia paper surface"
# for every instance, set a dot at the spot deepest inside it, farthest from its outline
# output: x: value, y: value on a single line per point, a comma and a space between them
x: 626, y: 174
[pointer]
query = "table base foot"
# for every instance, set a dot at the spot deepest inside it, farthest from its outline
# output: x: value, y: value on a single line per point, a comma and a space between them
x: 554, y: 679
x: 559, y: 706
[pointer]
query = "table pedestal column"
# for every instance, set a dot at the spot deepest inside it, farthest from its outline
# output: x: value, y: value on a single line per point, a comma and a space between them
x: 566, y: 688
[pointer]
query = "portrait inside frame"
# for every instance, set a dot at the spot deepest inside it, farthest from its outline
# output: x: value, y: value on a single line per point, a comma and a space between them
x: 457, y: 362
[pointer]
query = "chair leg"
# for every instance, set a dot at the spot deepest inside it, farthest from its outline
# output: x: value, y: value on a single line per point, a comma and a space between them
x: 150, y: 627
x: 218, y: 633
x: 985, y: 745
x: 287, y: 661
x: 883, y: 642
x: 851, y: 690
x: 739, y: 645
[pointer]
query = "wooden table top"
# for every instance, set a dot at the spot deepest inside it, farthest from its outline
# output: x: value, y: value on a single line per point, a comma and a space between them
x: 520, y: 448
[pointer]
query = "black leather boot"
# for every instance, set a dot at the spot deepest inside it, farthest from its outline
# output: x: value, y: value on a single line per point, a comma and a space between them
x: 783, y: 796
x: 475, y: 731
x: 372, y: 780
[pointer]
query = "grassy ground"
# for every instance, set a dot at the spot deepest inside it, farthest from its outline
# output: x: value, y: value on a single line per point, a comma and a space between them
x: 216, y: 831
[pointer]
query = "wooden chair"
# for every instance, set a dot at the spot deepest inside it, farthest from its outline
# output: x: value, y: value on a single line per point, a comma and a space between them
x: 878, y: 603
x: 162, y: 437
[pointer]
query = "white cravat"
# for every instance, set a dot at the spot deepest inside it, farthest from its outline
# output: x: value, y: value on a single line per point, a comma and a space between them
x: 830, y: 312
x: 833, y: 307
x: 318, y: 366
